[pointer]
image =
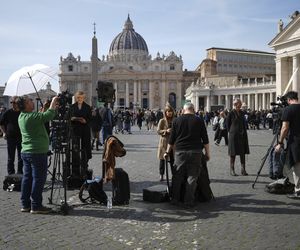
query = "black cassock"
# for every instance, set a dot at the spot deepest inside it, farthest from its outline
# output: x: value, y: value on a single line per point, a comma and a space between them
x: 238, y: 138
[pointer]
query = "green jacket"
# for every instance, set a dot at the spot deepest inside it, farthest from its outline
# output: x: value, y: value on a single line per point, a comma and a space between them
x: 35, y: 139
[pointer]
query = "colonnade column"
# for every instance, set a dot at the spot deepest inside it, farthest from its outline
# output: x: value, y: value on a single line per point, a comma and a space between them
x: 219, y: 100
x: 134, y: 93
x: 163, y: 95
x: 256, y: 101
x: 208, y: 103
x: 150, y: 95
x: 197, y: 102
x: 116, y: 94
x: 127, y: 95
x: 295, y: 79
x: 264, y: 101
x: 226, y: 102
x: 178, y: 95
x: 249, y: 101
x: 140, y: 93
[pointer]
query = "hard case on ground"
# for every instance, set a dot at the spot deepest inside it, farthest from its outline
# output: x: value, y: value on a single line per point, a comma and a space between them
x: 120, y: 188
x: 158, y: 193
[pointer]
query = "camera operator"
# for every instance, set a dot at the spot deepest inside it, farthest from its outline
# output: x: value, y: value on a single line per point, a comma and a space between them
x: 291, y: 126
x: 35, y: 143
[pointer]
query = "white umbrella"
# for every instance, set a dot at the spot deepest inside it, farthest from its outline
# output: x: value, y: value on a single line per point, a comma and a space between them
x: 29, y: 79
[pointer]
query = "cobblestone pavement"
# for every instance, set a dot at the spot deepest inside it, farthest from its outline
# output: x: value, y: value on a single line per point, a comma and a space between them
x: 239, y: 218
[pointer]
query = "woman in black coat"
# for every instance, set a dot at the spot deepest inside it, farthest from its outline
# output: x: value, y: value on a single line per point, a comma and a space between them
x: 81, y: 115
x: 238, y: 139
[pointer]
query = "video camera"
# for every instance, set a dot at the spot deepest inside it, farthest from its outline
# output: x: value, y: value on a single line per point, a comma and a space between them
x: 106, y: 92
x: 64, y: 101
x: 281, y: 102
x: 277, y: 112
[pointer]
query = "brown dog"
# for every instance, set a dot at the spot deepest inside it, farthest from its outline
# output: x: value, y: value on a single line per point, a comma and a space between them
x: 113, y: 148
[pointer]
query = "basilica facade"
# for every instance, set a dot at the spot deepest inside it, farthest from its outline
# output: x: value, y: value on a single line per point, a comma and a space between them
x: 139, y: 80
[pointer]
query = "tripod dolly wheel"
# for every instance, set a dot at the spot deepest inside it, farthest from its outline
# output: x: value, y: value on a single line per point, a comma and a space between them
x: 83, y: 193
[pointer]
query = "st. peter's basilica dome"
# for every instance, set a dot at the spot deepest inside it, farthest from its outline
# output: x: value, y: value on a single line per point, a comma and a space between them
x: 128, y: 42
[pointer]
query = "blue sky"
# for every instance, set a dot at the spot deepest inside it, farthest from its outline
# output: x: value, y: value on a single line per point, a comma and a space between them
x: 40, y: 31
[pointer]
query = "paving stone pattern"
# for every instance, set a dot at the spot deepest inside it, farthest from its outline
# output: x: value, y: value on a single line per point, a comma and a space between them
x: 239, y: 218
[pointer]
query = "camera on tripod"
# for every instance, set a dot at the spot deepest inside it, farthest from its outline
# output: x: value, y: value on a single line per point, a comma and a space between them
x: 106, y: 92
x: 64, y: 101
x: 281, y: 102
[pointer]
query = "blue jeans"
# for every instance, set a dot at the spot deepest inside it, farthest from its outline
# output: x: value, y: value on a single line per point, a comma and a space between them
x: 33, y: 181
x: 106, y: 132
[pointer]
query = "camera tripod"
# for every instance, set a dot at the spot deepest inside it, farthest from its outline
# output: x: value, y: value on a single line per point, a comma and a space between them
x: 275, y: 138
x: 60, y: 144
x: 59, y: 177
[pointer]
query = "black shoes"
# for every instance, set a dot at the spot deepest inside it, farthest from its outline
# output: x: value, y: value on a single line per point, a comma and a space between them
x: 295, y: 196
x: 41, y: 210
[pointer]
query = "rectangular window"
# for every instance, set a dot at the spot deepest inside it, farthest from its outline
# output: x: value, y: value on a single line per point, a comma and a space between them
x: 122, y: 102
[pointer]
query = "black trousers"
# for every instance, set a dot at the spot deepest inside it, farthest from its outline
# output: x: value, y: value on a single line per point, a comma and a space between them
x: 13, y: 145
x: 162, y: 165
x: 187, y: 169
x: 223, y: 133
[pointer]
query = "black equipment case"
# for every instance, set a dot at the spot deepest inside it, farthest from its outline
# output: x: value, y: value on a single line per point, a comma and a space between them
x: 12, y: 182
x: 158, y: 193
x: 120, y: 188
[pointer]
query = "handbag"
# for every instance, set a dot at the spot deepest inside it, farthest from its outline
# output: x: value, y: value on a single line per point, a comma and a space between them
x: 215, y: 127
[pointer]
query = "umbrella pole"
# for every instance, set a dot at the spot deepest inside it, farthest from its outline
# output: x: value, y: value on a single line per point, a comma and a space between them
x: 38, y: 96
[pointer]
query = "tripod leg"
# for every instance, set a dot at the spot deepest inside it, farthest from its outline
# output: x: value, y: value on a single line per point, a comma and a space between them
x: 264, y: 160
x: 56, y: 160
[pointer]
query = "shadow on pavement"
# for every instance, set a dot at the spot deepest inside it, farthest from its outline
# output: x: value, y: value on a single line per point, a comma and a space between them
x: 236, y: 181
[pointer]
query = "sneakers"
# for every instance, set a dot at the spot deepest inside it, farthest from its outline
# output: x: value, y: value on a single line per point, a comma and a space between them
x: 41, y: 210
x: 25, y: 209
x: 295, y: 195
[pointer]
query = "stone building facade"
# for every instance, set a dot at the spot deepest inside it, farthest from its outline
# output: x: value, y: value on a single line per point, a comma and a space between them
x: 139, y: 80
x: 287, y: 47
x: 234, y: 73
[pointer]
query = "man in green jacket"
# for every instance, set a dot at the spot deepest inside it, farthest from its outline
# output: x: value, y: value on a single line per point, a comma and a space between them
x: 35, y: 144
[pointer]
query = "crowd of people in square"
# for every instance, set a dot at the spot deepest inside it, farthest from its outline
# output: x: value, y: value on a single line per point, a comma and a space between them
x: 182, y: 138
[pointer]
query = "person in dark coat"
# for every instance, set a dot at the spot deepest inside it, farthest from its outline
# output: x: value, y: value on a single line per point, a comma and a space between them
x: 96, y: 125
x: 81, y: 114
x: 139, y: 118
x: 11, y: 133
x: 107, y: 122
x: 188, y: 138
x: 238, y: 138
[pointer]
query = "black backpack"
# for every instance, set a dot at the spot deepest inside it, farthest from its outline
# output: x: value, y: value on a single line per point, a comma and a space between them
x: 95, y: 192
